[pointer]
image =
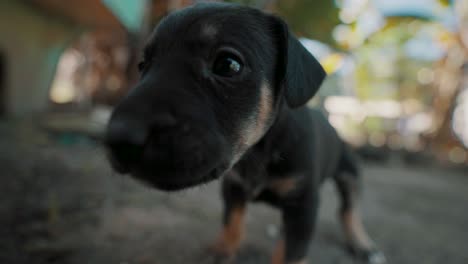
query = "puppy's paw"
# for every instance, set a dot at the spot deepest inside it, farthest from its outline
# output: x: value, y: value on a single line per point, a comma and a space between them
x: 368, y: 256
x: 217, y: 254
x: 376, y: 257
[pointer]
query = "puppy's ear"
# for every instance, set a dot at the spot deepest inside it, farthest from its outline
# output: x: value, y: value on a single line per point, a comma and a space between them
x: 297, y: 70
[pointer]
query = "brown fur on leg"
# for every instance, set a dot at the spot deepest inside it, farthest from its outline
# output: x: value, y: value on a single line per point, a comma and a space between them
x: 233, y: 231
x: 356, y: 235
x: 278, y: 256
x: 278, y: 253
x: 354, y: 229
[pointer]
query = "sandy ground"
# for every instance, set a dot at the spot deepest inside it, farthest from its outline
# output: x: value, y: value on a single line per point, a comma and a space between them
x: 60, y: 203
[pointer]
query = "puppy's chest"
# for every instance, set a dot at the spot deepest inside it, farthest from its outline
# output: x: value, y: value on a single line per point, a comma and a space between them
x: 259, y: 173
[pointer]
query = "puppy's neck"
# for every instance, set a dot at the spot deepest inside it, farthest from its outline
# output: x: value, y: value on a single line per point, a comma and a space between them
x: 279, y: 124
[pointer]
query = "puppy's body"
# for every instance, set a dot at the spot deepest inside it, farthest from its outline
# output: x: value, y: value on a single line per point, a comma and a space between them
x: 285, y: 169
x: 222, y: 94
x: 297, y: 146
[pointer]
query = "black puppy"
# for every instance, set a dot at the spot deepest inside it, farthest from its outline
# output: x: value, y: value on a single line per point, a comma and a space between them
x: 221, y: 93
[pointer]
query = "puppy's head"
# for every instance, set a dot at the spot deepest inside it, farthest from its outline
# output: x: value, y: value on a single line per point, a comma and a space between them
x: 212, y: 80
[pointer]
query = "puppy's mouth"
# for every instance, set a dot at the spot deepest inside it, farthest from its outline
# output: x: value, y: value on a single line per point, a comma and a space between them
x: 172, y: 166
x: 167, y: 184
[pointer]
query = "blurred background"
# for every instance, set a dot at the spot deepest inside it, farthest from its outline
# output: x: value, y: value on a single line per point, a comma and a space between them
x: 397, y: 91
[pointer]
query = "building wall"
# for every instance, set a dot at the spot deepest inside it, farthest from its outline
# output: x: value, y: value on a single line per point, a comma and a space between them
x: 2, y: 84
x: 31, y: 42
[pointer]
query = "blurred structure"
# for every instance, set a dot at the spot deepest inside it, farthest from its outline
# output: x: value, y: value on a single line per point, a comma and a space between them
x: 76, y: 52
x: 34, y: 36
x: 2, y: 84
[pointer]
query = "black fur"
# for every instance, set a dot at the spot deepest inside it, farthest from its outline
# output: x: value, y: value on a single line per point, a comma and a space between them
x: 184, y: 125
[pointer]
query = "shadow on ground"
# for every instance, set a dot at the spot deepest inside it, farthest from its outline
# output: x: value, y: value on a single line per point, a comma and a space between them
x: 60, y: 203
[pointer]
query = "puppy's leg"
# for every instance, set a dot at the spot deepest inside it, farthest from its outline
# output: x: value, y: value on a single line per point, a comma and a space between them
x: 230, y: 237
x: 279, y: 255
x: 299, y: 217
x: 358, y: 240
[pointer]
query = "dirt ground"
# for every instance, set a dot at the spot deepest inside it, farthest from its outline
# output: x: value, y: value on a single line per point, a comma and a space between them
x: 61, y: 203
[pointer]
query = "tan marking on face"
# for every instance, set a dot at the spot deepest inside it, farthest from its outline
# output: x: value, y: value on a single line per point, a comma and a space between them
x: 283, y: 186
x: 255, y: 127
x: 232, y: 233
x: 354, y: 229
x: 279, y: 255
x: 264, y: 112
x: 234, y: 176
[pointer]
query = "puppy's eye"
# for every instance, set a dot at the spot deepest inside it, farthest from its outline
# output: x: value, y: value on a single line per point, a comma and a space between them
x: 141, y: 66
x: 227, y: 65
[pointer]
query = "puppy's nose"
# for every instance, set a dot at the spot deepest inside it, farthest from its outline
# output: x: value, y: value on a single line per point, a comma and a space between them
x: 163, y: 120
x: 126, y: 139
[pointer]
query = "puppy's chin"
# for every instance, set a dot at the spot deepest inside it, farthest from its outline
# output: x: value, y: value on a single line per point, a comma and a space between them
x: 175, y: 181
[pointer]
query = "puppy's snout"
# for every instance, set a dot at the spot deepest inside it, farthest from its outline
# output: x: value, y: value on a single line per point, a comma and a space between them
x: 127, y: 137
x: 164, y: 120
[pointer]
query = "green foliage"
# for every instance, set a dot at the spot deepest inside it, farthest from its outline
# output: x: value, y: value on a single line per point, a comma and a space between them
x: 307, y: 18
x: 384, y: 71
x: 445, y: 3
x: 311, y: 19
